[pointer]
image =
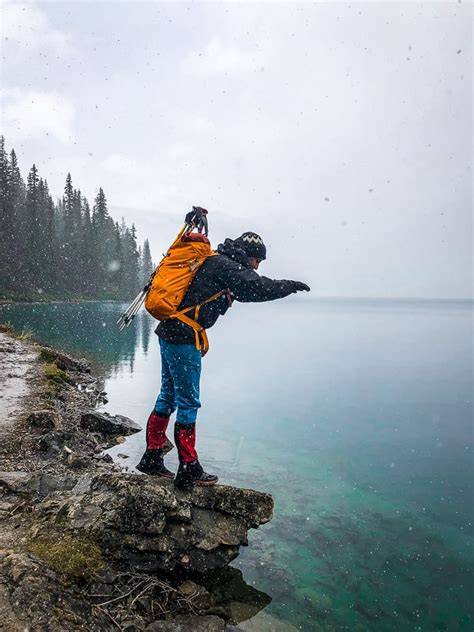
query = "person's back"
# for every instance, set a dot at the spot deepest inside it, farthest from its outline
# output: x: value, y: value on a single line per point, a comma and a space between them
x: 233, y: 271
x: 230, y: 270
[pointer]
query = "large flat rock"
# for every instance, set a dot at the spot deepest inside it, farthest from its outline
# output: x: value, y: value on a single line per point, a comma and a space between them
x: 145, y: 522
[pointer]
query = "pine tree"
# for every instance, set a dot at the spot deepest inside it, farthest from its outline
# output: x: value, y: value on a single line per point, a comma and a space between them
x: 48, y: 247
x: 131, y: 279
x: 103, y: 227
x: 6, y: 217
x: 77, y: 252
x: 33, y: 244
x: 147, y: 266
x: 16, y: 271
x: 18, y: 189
x: 67, y: 253
x: 87, y: 252
x: 68, y: 207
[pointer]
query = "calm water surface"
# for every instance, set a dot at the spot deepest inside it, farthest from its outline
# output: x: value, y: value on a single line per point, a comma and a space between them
x: 355, y: 415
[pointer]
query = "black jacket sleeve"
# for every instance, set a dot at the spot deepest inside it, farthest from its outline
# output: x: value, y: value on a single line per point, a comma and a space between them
x: 249, y: 287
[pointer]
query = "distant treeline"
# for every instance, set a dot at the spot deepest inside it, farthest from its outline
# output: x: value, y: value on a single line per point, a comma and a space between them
x: 63, y: 250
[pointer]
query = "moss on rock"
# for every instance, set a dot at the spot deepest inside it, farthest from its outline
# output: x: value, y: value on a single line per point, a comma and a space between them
x: 47, y: 355
x: 75, y: 557
x: 56, y: 375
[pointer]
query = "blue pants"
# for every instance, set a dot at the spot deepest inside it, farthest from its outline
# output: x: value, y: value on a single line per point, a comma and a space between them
x: 180, y: 375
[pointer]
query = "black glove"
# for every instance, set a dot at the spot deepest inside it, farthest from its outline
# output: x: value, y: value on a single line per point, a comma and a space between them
x: 298, y: 286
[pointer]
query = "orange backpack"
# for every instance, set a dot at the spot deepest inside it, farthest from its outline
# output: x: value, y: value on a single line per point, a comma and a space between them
x: 172, y: 279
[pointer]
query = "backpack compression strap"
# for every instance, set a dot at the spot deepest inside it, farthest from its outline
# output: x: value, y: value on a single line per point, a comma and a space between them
x: 200, y: 334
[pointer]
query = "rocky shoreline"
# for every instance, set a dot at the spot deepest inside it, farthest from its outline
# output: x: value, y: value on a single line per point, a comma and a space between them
x: 84, y: 545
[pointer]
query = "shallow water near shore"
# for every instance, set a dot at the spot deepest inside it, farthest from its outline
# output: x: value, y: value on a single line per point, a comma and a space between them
x: 355, y: 415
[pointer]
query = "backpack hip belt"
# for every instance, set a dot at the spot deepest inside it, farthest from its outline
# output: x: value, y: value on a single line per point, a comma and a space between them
x: 202, y: 342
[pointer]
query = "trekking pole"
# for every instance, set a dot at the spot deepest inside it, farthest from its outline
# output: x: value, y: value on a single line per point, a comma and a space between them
x: 131, y: 312
x: 131, y: 308
x: 127, y: 317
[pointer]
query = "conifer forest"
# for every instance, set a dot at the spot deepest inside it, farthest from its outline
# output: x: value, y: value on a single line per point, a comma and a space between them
x: 63, y: 249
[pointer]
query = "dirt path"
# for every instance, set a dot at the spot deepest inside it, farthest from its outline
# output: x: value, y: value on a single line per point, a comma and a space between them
x: 16, y: 360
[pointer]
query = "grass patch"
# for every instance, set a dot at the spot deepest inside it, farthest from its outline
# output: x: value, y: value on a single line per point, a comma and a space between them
x: 56, y: 375
x: 24, y: 335
x: 76, y: 557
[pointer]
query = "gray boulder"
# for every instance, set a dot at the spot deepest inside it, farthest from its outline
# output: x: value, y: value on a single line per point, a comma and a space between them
x: 107, y: 424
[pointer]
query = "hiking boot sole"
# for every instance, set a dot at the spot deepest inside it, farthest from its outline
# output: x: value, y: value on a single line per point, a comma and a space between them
x: 160, y: 474
x: 170, y: 476
x: 205, y: 483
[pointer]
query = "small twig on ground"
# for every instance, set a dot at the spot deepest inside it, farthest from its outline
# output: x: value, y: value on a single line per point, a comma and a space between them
x: 105, y: 603
x: 110, y: 617
x: 150, y: 585
x: 15, y: 509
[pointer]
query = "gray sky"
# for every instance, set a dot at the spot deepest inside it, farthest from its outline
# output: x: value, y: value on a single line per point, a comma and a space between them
x: 342, y: 133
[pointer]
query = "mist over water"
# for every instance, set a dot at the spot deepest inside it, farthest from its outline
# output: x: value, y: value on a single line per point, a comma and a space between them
x: 355, y: 415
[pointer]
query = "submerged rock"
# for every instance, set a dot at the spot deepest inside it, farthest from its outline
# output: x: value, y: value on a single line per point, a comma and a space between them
x: 146, y: 523
x: 263, y: 621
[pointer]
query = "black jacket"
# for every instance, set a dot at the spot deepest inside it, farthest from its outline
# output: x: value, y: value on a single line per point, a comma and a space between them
x: 229, y: 270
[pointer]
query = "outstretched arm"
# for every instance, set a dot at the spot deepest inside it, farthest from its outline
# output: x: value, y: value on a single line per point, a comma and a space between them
x: 249, y: 287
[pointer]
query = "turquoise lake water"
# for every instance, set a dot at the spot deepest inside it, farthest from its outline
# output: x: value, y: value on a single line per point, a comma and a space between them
x: 357, y: 417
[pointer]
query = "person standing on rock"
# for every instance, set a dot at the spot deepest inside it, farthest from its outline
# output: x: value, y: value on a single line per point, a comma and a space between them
x: 232, y: 270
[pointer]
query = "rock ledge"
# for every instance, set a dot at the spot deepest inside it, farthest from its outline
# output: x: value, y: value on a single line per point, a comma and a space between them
x: 147, y: 523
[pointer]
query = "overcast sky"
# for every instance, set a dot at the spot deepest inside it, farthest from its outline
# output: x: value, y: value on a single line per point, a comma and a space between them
x: 340, y: 132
